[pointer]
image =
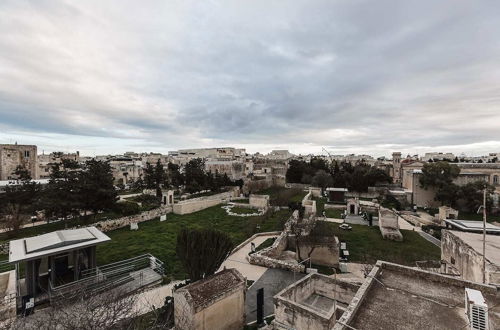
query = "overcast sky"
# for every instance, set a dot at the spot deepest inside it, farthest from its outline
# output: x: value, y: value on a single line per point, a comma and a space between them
x: 350, y: 76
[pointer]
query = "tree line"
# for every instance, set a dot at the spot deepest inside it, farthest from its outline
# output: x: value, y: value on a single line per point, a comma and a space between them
x: 192, y: 179
x: 73, y: 189
x: 320, y: 173
x: 468, y: 197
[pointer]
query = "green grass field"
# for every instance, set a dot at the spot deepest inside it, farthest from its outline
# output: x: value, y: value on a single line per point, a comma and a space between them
x: 334, y: 213
x: 160, y: 238
x: 365, y: 244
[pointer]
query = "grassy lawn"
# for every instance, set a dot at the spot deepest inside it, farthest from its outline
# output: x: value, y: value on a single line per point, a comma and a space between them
x: 243, y: 210
x: 160, y: 238
x: 334, y: 213
x: 242, y: 200
x: 47, y: 228
x: 320, y: 205
x: 267, y: 243
x: 365, y: 244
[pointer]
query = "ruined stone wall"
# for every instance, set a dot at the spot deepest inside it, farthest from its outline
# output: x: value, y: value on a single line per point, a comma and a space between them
x: 259, y: 201
x: 460, y: 256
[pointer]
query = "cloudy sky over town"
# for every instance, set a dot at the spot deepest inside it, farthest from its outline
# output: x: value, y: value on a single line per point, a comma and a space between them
x: 350, y: 76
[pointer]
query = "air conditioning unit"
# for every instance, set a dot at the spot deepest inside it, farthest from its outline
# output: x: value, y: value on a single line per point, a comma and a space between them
x: 476, y: 309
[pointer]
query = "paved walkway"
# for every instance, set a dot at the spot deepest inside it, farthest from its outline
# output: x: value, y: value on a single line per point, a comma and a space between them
x: 403, y: 224
x: 430, y: 238
x: 155, y: 297
x: 238, y: 260
x: 334, y: 220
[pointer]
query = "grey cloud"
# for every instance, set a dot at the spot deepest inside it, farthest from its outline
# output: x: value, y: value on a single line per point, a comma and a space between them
x: 287, y: 73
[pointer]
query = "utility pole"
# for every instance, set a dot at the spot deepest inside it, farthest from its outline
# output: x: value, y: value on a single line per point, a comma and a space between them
x: 484, y: 235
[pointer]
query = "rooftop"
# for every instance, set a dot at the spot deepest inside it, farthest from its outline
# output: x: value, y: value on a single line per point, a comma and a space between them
x: 399, y: 297
x: 54, y: 243
x: 475, y: 241
x: 473, y: 226
x: 204, y: 291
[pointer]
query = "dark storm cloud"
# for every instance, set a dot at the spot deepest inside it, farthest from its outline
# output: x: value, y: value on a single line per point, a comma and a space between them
x: 366, y: 75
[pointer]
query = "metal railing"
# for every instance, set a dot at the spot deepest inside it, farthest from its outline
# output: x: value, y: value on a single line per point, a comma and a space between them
x: 105, y: 277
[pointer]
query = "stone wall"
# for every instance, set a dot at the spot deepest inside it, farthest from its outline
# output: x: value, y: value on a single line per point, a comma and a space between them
x: 462, y: 258
x: 309, y: 205
x: 216, y: 302
x: 268, y: 257
x: 290, y: 312
x: 197, y: 204
x: 108, y: 225
x: 259, y: 201
x: 388, y: 224
x: 13, y: 155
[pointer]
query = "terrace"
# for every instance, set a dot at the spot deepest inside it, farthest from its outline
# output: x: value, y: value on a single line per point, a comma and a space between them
x: 314, y: 302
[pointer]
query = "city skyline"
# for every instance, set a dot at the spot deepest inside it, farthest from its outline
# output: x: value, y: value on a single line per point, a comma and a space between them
x: 352, y: 77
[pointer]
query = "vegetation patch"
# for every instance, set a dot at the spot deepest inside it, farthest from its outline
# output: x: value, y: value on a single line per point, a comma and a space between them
x: 334, y: 213
x: 267, y: 243
x: 159, y: 238
x: 366, y: 245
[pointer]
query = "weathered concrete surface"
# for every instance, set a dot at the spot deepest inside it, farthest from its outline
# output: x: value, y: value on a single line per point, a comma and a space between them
x: 273, y: 281
x: 313, y: 302
x: 399, y: 297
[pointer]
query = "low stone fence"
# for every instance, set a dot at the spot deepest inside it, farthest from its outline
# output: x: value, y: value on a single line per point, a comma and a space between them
x: 200, y: 203
x: 112, y: 224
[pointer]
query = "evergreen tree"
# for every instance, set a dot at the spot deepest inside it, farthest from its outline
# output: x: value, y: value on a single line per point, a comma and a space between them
x: 202, y: 251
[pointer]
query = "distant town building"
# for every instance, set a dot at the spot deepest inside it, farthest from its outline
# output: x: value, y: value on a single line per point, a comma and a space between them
x: 14, y: 155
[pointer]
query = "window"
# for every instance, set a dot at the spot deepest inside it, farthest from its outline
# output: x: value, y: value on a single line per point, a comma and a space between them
x: 495, y: 179
x: 26, y: 153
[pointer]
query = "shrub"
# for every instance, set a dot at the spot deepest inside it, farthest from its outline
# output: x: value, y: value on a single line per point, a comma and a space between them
x: 127, y: 208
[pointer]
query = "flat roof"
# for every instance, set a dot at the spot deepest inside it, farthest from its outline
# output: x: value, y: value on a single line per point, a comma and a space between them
x: 206, y: 290
x: 337, y: 189
x: 473, y: 226
x: 475, y: 241
x: 54, y: 243
x: 400, y: 297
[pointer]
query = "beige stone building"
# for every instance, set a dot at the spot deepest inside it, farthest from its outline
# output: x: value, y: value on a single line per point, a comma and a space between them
x: 314, y: 302
x: 14, y: 155
x: 216, y: 302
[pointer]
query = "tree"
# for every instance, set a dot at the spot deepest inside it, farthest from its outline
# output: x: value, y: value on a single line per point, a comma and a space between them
x: 194, y: 175
x: 471, y: 195
x: 322, y: 179
x: 440, y: 175
x: 202, y: 251
x: 19, y: 201
x: 174, y: 175
x: 96, y: 191
x: 155, y: 177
